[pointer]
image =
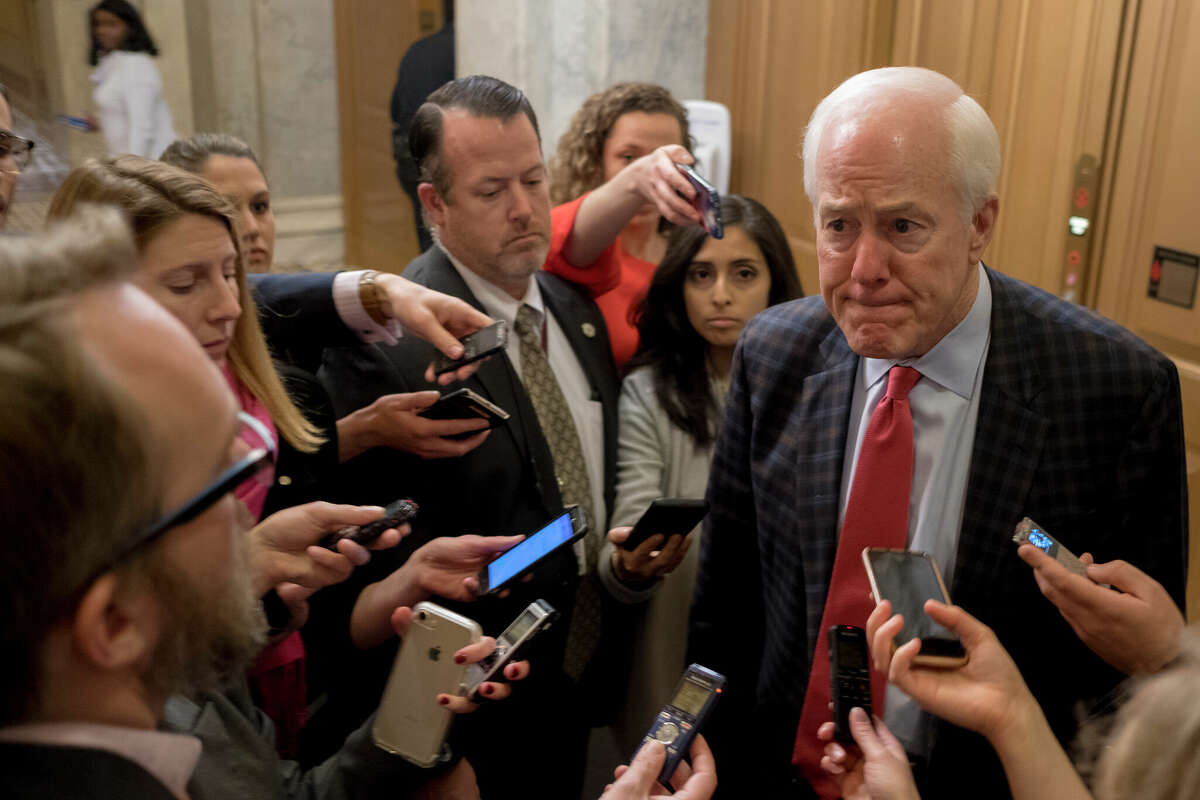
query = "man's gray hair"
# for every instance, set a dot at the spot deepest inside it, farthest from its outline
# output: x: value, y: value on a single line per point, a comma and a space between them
x: 975, y: 146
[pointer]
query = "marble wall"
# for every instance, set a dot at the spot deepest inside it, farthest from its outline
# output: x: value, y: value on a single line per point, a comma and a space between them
x: 262, y: 70
x: 266, y: 71
x: 562, y: 51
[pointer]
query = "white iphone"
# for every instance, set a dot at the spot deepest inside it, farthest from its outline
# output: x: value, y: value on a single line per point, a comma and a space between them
x: 410, y: 722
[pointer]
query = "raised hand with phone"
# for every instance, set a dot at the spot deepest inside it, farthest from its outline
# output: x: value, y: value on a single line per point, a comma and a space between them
x: 986, y: 695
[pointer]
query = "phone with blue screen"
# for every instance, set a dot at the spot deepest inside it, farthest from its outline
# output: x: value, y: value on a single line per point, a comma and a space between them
x: 564, y: 530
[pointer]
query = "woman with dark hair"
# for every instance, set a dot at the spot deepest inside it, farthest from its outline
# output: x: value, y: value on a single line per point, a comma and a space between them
x: 700, y: 298
x: 615, y: 180
x: 133, y: 115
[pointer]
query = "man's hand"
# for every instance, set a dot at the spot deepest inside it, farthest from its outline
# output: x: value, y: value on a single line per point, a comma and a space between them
x: 401, y: 619
x: 394, y: 421
x: 649, y: 560
x: 283, y: 547
x: 437, y: 318
x: 878, y: 771
x: 639, y: 781
x: 1137, y: 629
x: 446, y: 567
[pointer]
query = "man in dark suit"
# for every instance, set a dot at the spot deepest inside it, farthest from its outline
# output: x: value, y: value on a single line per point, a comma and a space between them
x: 1023, y: 405
x: 484, y: 192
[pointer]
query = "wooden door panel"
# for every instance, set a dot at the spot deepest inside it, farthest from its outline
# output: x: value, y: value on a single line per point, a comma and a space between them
x: 372, y: 36
x: 1031, y: 65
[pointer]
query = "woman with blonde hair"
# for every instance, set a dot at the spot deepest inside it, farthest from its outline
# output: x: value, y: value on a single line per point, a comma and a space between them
x: 191, y: 262
x: 617, y: 186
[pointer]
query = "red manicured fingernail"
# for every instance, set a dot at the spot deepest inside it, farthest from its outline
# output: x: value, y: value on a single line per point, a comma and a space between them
x: 486, y: 689
x: 460, y: 659
x: 444, y: 701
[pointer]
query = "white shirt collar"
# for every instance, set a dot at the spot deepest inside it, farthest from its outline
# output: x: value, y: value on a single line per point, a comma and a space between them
x: 170, y: 757
x: 954, y: 361
x: 498, y: 303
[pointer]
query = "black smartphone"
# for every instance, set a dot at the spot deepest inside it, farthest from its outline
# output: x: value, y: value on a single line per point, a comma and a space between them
x: 396, y: 514
x: 849, y: 677
x: 564, y: 530
x: 681, y: 718
x: 465, y: 404
x: 670, y: 516
x: 510, y: 646
x: 907, y: 579
x: 480, y: 344
x: 707, y: 201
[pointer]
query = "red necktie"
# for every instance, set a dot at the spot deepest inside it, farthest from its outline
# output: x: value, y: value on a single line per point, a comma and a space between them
x: 876, y: 516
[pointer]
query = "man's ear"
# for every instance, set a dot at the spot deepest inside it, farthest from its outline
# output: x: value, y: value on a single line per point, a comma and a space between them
x: 982, y: 227
x: 433, y: 202
x: 114, y: 629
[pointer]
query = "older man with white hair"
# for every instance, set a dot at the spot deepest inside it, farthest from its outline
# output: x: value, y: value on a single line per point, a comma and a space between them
x: 924, y: 402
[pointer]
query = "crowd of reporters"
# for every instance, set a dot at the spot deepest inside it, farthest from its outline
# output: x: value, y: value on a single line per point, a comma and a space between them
x: 143, y: 361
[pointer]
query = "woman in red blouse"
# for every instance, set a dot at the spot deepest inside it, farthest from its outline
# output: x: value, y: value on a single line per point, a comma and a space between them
x: 617, y: 188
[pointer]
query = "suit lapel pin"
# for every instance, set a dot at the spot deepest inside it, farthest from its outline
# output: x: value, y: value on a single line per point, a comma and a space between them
x: 589, y: 330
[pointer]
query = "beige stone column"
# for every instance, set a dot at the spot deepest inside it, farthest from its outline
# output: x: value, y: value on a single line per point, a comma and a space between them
x: 560, y: 51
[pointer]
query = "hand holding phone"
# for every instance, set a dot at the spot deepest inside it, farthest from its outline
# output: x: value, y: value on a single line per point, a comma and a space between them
x: 410, y: 723
x: 849, y: 675
x: 681, y: 718
x: 476, y: 346
x: 564, y: 530
x: 466, y: 404
x: 511, y: 646
x: 670, y: 516
x: 1029, y: 532
x: 907, y: 579
x: 394, y: 515
x: 707, y: 201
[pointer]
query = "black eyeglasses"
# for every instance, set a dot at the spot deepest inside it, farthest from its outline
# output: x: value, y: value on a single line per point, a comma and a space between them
x: 259, y: 460
x: 18, y: 149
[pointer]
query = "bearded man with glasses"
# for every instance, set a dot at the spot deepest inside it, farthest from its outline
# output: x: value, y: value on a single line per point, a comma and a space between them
x: 15, y: 154
x: 131, y: 604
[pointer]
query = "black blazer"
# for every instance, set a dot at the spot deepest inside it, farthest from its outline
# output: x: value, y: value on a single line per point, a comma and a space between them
x: 298, y: 316
x: 37, y: 771
x: 507, y: 484
x: 1080, y: 427
x: 504, y: 486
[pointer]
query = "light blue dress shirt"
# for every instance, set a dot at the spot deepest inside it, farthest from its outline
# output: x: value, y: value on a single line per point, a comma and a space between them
x: 945, y: 407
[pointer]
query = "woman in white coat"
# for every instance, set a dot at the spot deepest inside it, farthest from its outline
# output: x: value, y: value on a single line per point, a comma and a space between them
x: 702, y: 294
x: 131, y: 111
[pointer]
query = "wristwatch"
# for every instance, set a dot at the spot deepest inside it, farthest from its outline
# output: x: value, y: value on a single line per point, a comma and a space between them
x: 371, y: 296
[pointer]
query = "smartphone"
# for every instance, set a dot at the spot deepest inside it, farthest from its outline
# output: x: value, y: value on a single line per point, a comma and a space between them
x: 410, y: 723
x: 480, y: 344
x: 510, y: 645
x: 670, y: 516
x: 396, y: 514
x: 1029, y: 531
x: 564, y: 530
x: 849, y: 676
x: 465, y: 404
x: 680, y: 719
x: 73, y: 122
x: 907, y: 579
x: 707, y: 201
